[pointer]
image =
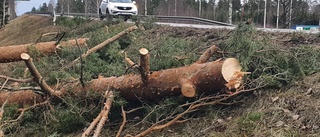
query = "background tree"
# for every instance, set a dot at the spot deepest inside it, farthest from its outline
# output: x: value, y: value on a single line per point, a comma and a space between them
x: 34, y: 9
x: 222, y: 8
x: 51, y: 5
x: 214, y: 9
x: 44, y: 8
x: 4, y: 16
x: 236, y: 7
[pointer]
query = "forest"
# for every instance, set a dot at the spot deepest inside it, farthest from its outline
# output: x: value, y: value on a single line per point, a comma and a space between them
x: 305, y: 12
x: 291, y: 12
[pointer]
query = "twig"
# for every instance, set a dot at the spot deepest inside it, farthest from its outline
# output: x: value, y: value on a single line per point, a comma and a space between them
x: 59, y: 40
x: 46, y: 34
x: 131, y: 63
x: 101, y: 118
x: 5, y: 82
x: 192, y: 107
x: 104, y: 117
x: 23, y: 110
x: 16, y: 80
x: 132, y: 110
x: 92, y: 125
x: 1, y: 115
x: 123, y: 122
x: 22, y: 88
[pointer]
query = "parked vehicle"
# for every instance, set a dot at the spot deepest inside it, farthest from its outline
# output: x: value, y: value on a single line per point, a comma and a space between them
x: 114, y: 8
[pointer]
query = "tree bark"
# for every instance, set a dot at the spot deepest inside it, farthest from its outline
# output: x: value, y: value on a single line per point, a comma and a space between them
x: 12, y: 53
x: 24, y: 97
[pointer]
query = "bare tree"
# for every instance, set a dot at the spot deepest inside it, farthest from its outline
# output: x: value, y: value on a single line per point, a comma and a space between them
x: 51, y: 5
x: 3, y: 12
x: 230, y: 11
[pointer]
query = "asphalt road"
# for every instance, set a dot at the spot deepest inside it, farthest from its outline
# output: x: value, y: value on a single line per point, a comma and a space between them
x: 229, y: 27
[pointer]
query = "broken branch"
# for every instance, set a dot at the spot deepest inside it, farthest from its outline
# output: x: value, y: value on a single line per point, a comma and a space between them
x: 131, y: 63
x: 37, y: 76
x: 101, y: 118
x: 101, y: 45
x: 207, y: 54
x: 16, y: 80
x: 105, y: 114
x: 144, y: 64
x: 123, y: 122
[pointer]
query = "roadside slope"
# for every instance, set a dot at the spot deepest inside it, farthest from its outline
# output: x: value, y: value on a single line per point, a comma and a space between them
x: 26, y: 29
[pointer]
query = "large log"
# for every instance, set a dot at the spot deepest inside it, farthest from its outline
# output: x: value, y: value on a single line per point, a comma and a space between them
x: 12, y: 53
x: 24, y: 97
x: 189, y: 80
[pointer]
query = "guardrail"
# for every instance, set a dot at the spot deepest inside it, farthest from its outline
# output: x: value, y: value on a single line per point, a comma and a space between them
x: 171, y: 18
x: 193, y: 19
x: 210, y: 23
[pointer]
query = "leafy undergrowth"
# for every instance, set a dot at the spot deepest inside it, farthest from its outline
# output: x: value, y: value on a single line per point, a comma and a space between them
x: 287, y: 72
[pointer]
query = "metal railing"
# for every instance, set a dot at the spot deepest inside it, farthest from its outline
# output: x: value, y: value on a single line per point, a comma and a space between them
x: 159, y: 18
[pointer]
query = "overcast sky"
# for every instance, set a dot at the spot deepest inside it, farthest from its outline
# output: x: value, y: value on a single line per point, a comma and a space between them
x: 25, y: 6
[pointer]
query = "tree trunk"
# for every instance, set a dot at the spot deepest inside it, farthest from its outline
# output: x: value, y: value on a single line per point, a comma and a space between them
x: 12, y: 53
x: 188, y: 81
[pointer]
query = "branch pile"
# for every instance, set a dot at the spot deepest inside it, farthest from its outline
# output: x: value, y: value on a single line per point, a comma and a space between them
x: 188, y: 81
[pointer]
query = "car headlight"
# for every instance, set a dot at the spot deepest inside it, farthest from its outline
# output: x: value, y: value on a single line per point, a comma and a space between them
x: 134, y: 7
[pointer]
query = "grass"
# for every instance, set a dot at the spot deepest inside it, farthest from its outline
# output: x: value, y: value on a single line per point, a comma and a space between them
x: 27, y: 29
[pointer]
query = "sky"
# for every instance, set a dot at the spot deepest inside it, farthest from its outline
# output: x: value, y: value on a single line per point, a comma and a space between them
x: 25, y: 6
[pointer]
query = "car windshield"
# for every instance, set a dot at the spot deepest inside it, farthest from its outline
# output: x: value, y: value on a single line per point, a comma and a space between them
x: 121, y: 1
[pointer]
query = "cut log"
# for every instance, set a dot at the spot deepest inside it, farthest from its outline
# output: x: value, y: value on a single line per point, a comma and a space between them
x: 12, y: 53
x: 188, y: 81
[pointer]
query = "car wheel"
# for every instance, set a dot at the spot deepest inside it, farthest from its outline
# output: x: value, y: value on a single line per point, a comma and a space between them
x: 100, y: 15
x: 126, y: 18
x: 107, y: 14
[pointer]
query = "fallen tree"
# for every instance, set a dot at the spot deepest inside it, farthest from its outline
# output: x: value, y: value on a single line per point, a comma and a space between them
x: 12, y: 53
x: 199, y: 77
x: 188, y: 81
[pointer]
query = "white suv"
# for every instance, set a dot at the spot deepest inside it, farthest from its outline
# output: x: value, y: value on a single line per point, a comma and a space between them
x: 126, y: 8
